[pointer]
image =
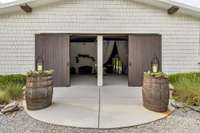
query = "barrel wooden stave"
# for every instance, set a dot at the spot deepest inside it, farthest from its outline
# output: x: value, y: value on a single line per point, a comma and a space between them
x: 155, y: 94
x: 39, y: 91
x: 36, y: 82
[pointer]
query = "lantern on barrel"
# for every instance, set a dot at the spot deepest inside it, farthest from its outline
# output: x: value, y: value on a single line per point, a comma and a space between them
x: 39, y: 64
x: 155, y: 64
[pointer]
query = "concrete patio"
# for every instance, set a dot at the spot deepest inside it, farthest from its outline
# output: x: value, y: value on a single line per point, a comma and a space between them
x: 85, y: 105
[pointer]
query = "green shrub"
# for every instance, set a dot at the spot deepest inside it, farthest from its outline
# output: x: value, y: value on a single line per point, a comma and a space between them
x: 11, y: 87
x: 17, y: 78
x: 187, y: 88
x: 184, y: 76
x: 15, y: 91
x: 4, y: 97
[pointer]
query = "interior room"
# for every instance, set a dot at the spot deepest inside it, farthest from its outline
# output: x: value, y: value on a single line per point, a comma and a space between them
x: 115, y: 59
x: 83, y: 58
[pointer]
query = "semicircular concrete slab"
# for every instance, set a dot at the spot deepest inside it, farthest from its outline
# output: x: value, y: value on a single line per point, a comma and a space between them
x: 87, y: 106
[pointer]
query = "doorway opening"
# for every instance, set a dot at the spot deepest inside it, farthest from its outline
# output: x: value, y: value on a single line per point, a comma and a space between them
x: 83, y: 59
x: 115, y: 60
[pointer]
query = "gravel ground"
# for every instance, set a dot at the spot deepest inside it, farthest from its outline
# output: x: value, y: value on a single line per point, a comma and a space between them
x: 181, y: 121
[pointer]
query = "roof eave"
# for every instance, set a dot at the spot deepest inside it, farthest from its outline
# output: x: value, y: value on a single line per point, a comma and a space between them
x: 15, y: 6
x: 166, y: 4
x: 163, y: 4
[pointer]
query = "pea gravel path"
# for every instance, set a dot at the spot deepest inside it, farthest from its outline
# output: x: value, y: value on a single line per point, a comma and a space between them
x: 181, y: 121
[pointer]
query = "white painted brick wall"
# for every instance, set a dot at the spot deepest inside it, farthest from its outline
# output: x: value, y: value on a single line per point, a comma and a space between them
x: 180, y: 33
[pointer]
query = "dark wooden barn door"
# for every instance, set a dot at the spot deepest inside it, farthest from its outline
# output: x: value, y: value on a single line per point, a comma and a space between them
x: 142, y: 49
x: 54, y: 49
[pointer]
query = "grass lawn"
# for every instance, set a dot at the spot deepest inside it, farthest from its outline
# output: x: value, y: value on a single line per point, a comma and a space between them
x: 187, y: 88
x: 11, y: 87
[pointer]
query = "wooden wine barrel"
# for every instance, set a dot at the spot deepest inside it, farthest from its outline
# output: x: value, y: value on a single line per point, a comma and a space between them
x: 155, y: 93
x: 39, y: 91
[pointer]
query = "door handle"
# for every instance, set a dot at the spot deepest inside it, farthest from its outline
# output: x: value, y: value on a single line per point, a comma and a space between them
x: 130, y: 64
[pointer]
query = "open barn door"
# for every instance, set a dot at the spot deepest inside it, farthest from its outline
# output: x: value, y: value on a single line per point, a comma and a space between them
x: 54, y: 49
x: 142, y: 49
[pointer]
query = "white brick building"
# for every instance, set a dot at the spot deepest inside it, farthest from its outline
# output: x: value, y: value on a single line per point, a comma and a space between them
x: 180, y: 31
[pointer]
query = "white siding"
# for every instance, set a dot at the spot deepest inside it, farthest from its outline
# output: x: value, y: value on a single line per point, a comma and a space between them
x: 180, y: 33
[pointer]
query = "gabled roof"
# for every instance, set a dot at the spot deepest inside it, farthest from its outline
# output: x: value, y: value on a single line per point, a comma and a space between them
x: 164, y: 4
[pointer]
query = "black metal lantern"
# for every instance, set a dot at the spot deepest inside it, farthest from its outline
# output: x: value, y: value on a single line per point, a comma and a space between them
x: 155, y: 64
x: 39, y: 64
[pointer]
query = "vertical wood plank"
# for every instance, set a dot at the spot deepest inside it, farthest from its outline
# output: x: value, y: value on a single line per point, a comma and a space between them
x: 55, y: 50
x: 142, y: 49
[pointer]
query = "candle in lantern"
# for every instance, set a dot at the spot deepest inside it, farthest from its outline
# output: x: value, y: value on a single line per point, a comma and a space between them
x: 155, y: 64
x: 39, y: 67
x: 155, y: 68
x: 40, y: 64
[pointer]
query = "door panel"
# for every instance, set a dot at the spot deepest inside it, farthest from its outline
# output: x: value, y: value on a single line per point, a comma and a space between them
x: 142, y: 49
x: 55, y: 51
